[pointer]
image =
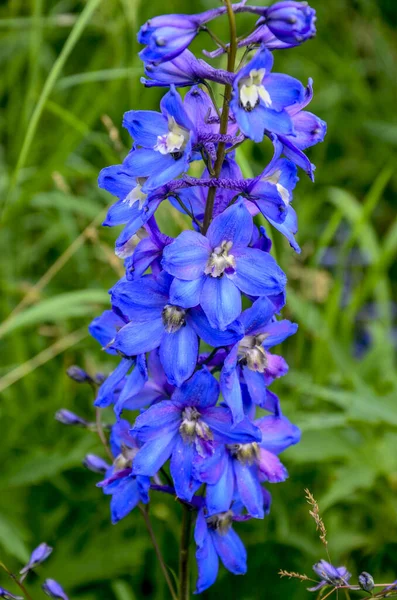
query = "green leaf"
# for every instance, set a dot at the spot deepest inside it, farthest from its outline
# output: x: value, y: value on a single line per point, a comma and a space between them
x: 11, y: 540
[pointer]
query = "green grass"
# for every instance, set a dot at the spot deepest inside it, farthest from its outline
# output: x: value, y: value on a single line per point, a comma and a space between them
x: 64, y: 66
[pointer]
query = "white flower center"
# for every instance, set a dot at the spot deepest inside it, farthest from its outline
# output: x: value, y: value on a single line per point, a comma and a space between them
x: 136, y: 195
x: 252, y: 90
x: 252, y: 354
x: 284, y: 193
x: 245, y: 453
x: 220, y: 260
x: 173, y: 142
x: 192, y: 426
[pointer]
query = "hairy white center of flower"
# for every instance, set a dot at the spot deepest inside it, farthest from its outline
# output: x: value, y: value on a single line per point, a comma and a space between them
x: 284, y: 193
x: 173, y: 318
x: 173, y: 142
x: 252, y: 354
x: 192, y: 426
x: 220, y: 260
x: 252, y: 90
x: 245, y: 453
x: 136, y: 195
x: 125, y: 458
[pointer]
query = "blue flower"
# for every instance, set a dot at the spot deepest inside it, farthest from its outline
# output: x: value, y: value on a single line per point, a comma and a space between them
x: 235, y: 471
x: 213, y: 271
x: 291, y: 22
x: 330, y: 575
x: 125, y: 488
x: 167, y: 36
x: 165, y: 141
x: 215, y: 539
x: 249, y: 361
x: 260, y: 98
x: 184, y: 428
x: 95, y: 463
x: 8, y: 595
x: 308, y: 131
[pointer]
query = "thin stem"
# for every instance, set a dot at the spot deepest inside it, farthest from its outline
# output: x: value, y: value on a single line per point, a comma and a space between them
x: 157, y: 550
x: 209, y: 208
x: 214, y: 37
x: 101, y: 433
x: 212, y: 96
x: 184, y: 553
x: 19, y: 583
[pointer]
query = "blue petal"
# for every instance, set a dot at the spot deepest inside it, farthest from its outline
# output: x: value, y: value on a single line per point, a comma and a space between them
x: 144, y: 126
x: 144, y: 254
x: 171, y: 105
x: 139, y: 336
x: 296, y: 155
x: 124, y: 498
x: 278, y: 433
x: 206, y: 556
x: 202, y: 390
x: 178, y: 354
x: 104, y: 328
x: 256, y: 385
x: 158, y: 420
x: 271, y: 468
x: 140, y: 300
x: 181, y: 468
x: 120, y: 436
x: 283, y: 90
x: 257, y: 273
x: 277, y: 332
x: 121, y: 212
x: 107, y: 389
x: 154, y: 454
x: 221, y: 301
x: 138, y: 219
x: 231, y: 551
x: 212, y: 336
x: 310, y: 130
x: 219, y: 495
x: 187, y: 256
x: 117, y: 180
x: 257, y: 316
x: 288, y: 228
x: 144, y: 162
x: 220, y: 422
x: 249, y: 488
x: 186, y: 293
x: 230, y: 385
x: 133, y: 385
x: 234, y: 225
x: 171, y: 169
x: 209, y: 469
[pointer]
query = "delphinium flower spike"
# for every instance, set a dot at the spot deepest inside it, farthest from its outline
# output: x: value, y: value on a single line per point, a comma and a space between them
x: 191, y: 324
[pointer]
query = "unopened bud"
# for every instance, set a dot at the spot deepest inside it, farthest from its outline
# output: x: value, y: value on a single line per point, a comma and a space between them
x: 366, y: 582
x: 95, y: 463
x: 67, y: 417
x: 78, y: 374
x: 53, y: 589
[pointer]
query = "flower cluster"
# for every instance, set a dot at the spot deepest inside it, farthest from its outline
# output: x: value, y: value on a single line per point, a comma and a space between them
x: 194, y: 318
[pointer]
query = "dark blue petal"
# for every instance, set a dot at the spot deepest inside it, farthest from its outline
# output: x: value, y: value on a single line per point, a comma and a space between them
x: 219, y: 419
x: 140, y: 336
x: 221, y: 301
x: 212, y: 336
x: 155, y: 453
x: 256, y: 385
x: 181, y: 468
x: 230, y: 385
x: 104, y: 328
x: 201, y: 390
x: 134, y: 384
x: 219, y: 495
x: 249, y: 488
x: 277, y: 331
x: 257, y: 316
x: 160, y: 419
x: 171, y: 105
x: 124, y: 498
x: 233, y: 225
x: 283, y: 90
x: 257, y: 273
x: 187, y: 256
x: 107, y: 389
x: 271, y: 468
x: 136, y: 298
x: 278, y: 433
x: 178, y: 354
x: 288, y: 228
x: 206, y: 556
x: 144, y: 126
x: 231, y: 551
x: 186, y: 293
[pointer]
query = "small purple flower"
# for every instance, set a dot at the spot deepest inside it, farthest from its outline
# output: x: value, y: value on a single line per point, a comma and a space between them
x: 126, y: 489
x: 185, y: 428
x: 260, y: 98
x: 96, y: 463
x: 291, y: 22
x: 215, y: 539
x: 67, y: 417
x: 78, y: 374
x: 213, y: 271
x: 8, y: 595
x: 38, y: 556
x: 53, y: 589
x: 330, y: 575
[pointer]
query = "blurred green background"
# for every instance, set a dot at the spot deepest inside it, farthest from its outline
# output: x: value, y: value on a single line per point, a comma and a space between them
x: 69, y: 70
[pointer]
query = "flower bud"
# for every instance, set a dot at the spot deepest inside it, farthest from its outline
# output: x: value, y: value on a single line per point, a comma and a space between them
x: 78, y: 374
x: 366, y: 582
x: 291, y: 22
x: 95, y: 463
x: 67, y: 417
x: 53, y: 589
x: 38, y: 556
x: 8, y: 596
